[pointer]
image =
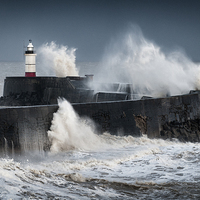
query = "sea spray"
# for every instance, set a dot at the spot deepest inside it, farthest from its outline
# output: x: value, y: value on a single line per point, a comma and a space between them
x: 69, y: 131
x: 60, y: 59
x: 132, y: 58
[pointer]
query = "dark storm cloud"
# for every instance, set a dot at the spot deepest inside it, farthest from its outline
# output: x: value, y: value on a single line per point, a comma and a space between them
x: 88, y: 25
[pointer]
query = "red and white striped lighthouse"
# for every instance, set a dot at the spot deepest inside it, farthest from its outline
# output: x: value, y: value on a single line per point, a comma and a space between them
x: 30, y: 69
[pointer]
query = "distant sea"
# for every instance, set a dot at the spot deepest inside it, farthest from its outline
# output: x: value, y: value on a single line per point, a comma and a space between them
x: 109, y: 167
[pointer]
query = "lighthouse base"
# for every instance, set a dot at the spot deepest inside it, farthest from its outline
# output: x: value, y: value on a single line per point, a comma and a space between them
x: 30, y: 74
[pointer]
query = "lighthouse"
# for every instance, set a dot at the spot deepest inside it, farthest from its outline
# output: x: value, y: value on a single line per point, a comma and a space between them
x: 30, y: 69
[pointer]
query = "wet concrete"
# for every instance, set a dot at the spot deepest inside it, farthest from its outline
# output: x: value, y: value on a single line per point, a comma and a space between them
x: 25, y: 128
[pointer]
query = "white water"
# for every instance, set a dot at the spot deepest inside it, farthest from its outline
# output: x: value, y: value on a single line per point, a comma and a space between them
x: 56, y: 59
x: 144, y: 169
x: 68, y: 131
x: 126, y: 161
x: 132, y: 58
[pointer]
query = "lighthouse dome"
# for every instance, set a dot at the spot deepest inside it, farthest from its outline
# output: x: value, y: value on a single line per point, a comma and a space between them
x: 30, y: 46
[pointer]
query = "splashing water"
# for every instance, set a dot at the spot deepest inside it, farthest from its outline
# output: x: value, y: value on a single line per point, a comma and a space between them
x: 132, y: 58
x: 68, y: 131
x: 71, y: 132
x: 59, y: 58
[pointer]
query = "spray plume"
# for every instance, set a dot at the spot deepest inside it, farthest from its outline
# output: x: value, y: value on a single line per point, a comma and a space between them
x: 132, y: 58
x: 60, y: 59
x: 69, y: 131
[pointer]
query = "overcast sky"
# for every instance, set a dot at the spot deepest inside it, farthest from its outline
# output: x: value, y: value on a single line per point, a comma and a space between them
x: 89, y: 25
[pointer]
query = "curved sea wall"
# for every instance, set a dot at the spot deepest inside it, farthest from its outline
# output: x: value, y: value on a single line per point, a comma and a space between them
x: 24, y: 129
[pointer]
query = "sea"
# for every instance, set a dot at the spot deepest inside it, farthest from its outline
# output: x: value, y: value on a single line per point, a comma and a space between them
x: 99, y: 166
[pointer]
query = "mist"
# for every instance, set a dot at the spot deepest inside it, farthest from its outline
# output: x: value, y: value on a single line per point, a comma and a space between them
x: 131, y: 58
x: 57, y: 60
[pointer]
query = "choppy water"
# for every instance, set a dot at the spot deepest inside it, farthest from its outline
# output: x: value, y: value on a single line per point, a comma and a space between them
x: 132, y: 168
x: 117, y: 168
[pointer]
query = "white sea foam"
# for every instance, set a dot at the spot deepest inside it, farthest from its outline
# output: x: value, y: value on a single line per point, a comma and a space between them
x: 132, y: 58
x: 71, y: 132
x: 59, y: 59
x: 142, y: 164
x: 140, y: 161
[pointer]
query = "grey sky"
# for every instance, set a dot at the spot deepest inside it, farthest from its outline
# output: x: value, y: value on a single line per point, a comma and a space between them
x: 89, y: 25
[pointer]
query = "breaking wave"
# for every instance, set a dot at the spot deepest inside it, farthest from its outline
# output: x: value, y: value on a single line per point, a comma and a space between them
x: 132, y: 58
x: 69, y: 131
x: 60, y: 59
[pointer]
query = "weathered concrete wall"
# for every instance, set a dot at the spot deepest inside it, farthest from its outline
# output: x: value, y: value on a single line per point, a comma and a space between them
x: 158, y: 118
x: 24, y: 129
x: 23, y: 91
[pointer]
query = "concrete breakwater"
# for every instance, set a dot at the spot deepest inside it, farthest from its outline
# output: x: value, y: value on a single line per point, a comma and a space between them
x: 24, y: 128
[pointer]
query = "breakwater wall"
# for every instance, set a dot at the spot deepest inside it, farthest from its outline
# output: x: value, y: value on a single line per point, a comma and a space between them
x: 25, y: 128
x: 167, y: 118
x: 23, y: 91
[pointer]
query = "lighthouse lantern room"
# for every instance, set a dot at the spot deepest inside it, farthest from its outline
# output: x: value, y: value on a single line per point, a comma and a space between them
x: 30, y: 58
